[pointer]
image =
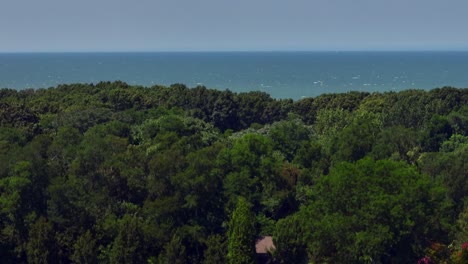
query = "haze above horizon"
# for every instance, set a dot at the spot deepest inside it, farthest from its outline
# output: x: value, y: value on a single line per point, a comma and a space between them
x: 243, y: 25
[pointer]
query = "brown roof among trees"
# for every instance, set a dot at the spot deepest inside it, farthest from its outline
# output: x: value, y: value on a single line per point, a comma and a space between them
x: 264, y: 244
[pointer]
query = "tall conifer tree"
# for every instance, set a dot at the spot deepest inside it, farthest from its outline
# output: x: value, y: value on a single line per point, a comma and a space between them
x: 241, y: 234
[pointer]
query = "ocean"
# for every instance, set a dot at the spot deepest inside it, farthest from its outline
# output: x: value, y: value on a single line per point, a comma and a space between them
x: 281, y: 74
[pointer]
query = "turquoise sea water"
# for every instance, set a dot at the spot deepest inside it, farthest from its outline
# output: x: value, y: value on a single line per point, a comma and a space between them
x: 281, y: 74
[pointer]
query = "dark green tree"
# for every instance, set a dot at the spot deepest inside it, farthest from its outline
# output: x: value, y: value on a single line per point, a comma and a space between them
x: 371, y: 211
x: 288, y: 241
x: 85, y: 249
x: 216, y: 250
x: 129, y: 247
x: 40, y: 247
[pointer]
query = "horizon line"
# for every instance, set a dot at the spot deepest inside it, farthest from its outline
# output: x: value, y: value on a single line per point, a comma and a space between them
x: 236, y: 51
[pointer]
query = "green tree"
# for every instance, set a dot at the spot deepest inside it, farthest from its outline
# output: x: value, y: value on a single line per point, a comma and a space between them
x: 244, y: 166
x: 15, y: 201
x: 129, y: 247
x: 40, y: 246
x: 241, y: 234
x: 215, y: 250
x: 288, y: 241
x: 397, y: 143
x: 224, y: 113
x: 85, y: 250
x: 174, y: 252
x: 355, y: 141
x: 372, y: 211
x: 289, y: 135
x: 450, y: 168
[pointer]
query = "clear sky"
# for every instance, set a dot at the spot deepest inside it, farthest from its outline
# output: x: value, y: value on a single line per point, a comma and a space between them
x: 233, y: 25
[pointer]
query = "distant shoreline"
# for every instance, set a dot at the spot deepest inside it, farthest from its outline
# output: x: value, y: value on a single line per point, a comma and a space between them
x: 285, y: 74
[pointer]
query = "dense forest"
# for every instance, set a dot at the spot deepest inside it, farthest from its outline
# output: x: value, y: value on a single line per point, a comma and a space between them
x: 113, y: 173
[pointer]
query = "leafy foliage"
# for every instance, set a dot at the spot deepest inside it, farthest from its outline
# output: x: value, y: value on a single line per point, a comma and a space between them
x: 114, y: 173
x: 371, y: 212
x: 241, y: 234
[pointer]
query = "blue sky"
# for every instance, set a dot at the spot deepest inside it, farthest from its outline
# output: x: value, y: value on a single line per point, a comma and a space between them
x: 232, y: 25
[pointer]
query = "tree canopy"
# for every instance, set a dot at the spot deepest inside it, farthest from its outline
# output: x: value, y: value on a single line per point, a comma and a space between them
x: 114, y: 173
